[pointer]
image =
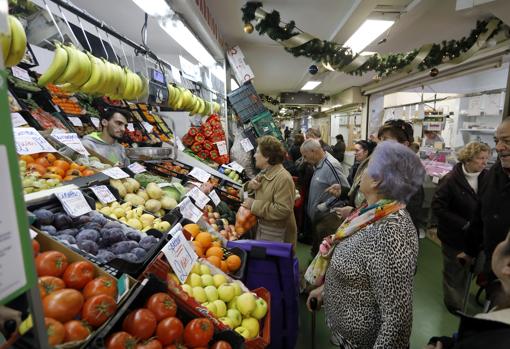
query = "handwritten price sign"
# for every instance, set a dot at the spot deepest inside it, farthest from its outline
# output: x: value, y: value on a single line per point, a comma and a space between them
x: 29, y: 141
x: 180, y: 255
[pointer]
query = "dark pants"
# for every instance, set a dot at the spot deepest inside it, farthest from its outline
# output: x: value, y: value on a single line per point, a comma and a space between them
x: 322, y: 227
x: 455, y: 277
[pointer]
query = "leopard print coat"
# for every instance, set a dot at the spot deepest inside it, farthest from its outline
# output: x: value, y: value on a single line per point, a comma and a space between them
x: 369, y: 285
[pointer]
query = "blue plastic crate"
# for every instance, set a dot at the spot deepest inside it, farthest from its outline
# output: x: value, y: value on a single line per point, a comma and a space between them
x: 246, y: 102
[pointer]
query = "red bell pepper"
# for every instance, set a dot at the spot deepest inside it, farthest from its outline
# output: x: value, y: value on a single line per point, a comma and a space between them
x: 214, y: 155
x: 199, y: 138
x: 187, y: 140
x: 196, y: 147
x: 207, y: 145
x: 193, y: 131
x: 203, y: 154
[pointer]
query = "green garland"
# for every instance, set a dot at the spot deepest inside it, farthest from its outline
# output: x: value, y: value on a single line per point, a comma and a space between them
x: 323, y: 51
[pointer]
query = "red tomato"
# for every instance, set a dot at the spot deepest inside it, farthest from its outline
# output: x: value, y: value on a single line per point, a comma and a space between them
x: 55, y: 331
x: 49, y: 284
x: 162, y: 305
x: 198, y: 332
x: 176, y: 346
x: 101, y: 285
x: 36, y: 247
x: 75, y: 331
x: 140, y: 323
x: 221, y: 345
x: 78, y: 274
x: 51, y: 263
x: 169, y: 330
x: 98, y: 309
x: 121, y: 340
x: 63, y: 305
x: 150, y: 344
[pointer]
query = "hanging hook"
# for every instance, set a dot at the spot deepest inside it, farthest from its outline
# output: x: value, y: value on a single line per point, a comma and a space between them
x: 113, y: 48
x: 68, y: 25
x: 102, y: 43
x: 54, y: 21
x: 124, y: 52
x: 84, y: 34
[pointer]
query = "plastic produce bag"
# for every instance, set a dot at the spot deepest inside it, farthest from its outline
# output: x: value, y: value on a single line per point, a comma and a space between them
x: 238, y: 154
x: 245, y: 220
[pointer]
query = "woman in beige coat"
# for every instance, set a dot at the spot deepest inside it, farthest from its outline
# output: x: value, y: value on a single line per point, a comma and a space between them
x: 272, y: 194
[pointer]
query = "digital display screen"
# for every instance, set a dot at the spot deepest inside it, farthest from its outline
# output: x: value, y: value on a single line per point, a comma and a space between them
x: 158, y: 76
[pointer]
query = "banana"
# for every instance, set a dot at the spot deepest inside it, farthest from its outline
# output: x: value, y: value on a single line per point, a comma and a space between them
x: 114, y: 79
x: 72, y: 67
x: 121, y: 88
x: 196, y: 106
x: 139, y: 86
x: 18, y: 42
x: 57, y: 67
x: 180, y: 100
x: 145, y: 87
x: 173, y: 94
x: 188, y: 99
x: 68, y: 87
x: 96, y: 76
x: 5, y: 42
x: 216, y: 107
x: 207, y: 109
x: 202, y: 107
x: 107, y: 79
x: 85, y: 69
x: 130, y: 85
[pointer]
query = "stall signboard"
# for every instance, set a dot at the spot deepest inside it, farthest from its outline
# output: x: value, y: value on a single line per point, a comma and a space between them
x: 71, y: 140
x: 242, y: 71
x: 180, y: 255
x: 29, y: 141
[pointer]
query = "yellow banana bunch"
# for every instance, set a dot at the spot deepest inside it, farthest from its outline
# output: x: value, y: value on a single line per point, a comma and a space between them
x: 180, y: 98
x: 14, y: 43
x: 57, y: 66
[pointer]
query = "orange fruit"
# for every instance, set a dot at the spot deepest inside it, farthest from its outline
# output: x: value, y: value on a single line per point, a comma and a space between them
x: 205, y: 239
x: 74, y: 172
x: 50, y: 157
x: 199, y: 249
x: 74, y: 166
x: 64, y: 165
x: 215, y: 260
x: 216, y: 244
x: 56, y: 170
x: 87, y: 172
x: 43, y: 162
x: 27, y: 158
x: 224, y: 267
x: 192, y: 229
x: 233, y: 262
x: 33, y: 167
x: 214, y: 251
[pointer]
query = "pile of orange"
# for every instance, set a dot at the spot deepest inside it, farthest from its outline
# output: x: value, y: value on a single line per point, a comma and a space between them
x: 50, y: 166
x: 207, y: 247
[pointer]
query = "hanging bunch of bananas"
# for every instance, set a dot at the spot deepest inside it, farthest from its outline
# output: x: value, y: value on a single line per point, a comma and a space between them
x: 75, y: 71
x: 14, y: 43
x: 180, y: 98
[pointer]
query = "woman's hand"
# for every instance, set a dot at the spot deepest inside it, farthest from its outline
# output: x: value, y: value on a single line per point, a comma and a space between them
x: 335, y: 190
x: 318, y: 295
x: 248, y: 203
x: 344, y: 211
x: 254, y: 184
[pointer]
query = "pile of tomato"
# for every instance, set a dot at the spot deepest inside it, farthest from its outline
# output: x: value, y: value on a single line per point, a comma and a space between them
x: 156, y: 326
x: 75, y: 300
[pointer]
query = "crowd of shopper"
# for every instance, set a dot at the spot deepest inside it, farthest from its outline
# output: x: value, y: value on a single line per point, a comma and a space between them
x: 363, y: 229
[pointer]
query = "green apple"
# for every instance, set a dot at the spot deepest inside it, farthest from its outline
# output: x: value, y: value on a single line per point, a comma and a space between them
x: 187, y: 288
x: 196, y: 269
x: 226, y: 292
x: 233, y: 303
x: 212, y: 308
x: 260, y: 309
x: 221, y: 308
x: 237, y: 288
x: 243, y: 332
x: 211, y: 293
x: 246, y: 303
x: 235, y: 316
x: 199, y: 294
x: 226, y: 321
x: 207, y: 280
x: 219, y: 279
x: 252, y: 325
x: 205, y: 270
x: 195, y: 280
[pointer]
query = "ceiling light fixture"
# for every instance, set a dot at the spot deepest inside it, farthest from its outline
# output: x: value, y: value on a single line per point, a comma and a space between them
x: 370, y: 30
x: 310, y: 85
x: 155, y: 8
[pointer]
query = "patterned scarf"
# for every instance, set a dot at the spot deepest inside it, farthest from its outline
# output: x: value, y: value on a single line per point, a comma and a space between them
x: 358, y: 220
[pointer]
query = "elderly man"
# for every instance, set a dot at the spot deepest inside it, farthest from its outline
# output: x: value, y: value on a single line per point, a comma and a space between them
x: 315, y: 133
x: 323, y: 194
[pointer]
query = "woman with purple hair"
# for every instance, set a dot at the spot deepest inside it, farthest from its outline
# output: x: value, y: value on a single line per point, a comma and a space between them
x: 364, y: 272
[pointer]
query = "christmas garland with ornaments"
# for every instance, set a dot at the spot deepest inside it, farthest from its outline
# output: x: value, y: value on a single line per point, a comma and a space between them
x: 335, y: 57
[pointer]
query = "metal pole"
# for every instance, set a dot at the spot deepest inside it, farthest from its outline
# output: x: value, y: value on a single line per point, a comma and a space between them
x: 506, y: 107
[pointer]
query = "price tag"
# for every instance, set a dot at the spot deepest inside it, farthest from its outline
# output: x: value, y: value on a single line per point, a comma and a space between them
x: 435, y: 180
x: 199, y: 197
x: 200, y: 174
x: 75, y: 121
x: 21, y: 73
x: 29, y: 141
x: 214, y: 197
x: 18, y: 120
x: 33, y: 233
x: 180, y: 146
x: 222, y: 148
x: 74, y: 202
x: 103, y: 194
x: 136, y: 168
x: 189, y: 210
x: 175, y: 229
x: 236, y: 167
x: 176, y: 74
x: 246, y: 144
x: 180, y: 255
x: 71, y: 140
x: 95, y: 122
x: 147, y: 126
x: 115, y: 173
x: 130, y: 127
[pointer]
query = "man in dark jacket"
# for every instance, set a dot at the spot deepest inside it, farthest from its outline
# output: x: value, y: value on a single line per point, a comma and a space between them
x: 339, y: 148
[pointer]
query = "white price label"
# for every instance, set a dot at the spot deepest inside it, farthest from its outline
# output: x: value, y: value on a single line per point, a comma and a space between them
x: 95, y: 122
x: 103, y: 194
x: 236, y: 167
x: 148, y: 127
x: 175, y: 229
x: 180, y: 146
x: 214, y: 197
x: 435, y: 180
x: 71, y: 140
x: 246, y: 144
x: 136, y: 168
x: 200, y: 174
x: 29, y: 141
x: 180, y: 255
x: 176, y: 74
x: 115, y: 173
x: 18, y: 120
x: 189, y: 210
x: 199, y: 197
x: 222, y: 148
x: 75, y: 121
x: 130, y: 127
x: 21, y: 73
x: 189, y: 70
x: 33, y: 233
x: 74, y: 203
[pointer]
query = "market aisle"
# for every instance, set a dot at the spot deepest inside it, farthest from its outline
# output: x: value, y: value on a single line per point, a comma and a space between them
x: 430, y: 315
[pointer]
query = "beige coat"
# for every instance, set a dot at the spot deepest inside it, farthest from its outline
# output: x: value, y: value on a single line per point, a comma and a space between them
x: 274, y: 204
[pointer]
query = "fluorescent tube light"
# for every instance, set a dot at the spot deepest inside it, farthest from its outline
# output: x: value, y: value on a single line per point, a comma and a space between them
x: 370, y: 30
x: 310, y: 85
x: 155, y: 8
x: 187, y: 40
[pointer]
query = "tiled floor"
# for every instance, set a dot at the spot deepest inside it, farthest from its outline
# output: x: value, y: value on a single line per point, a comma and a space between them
x: 430, y: 316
